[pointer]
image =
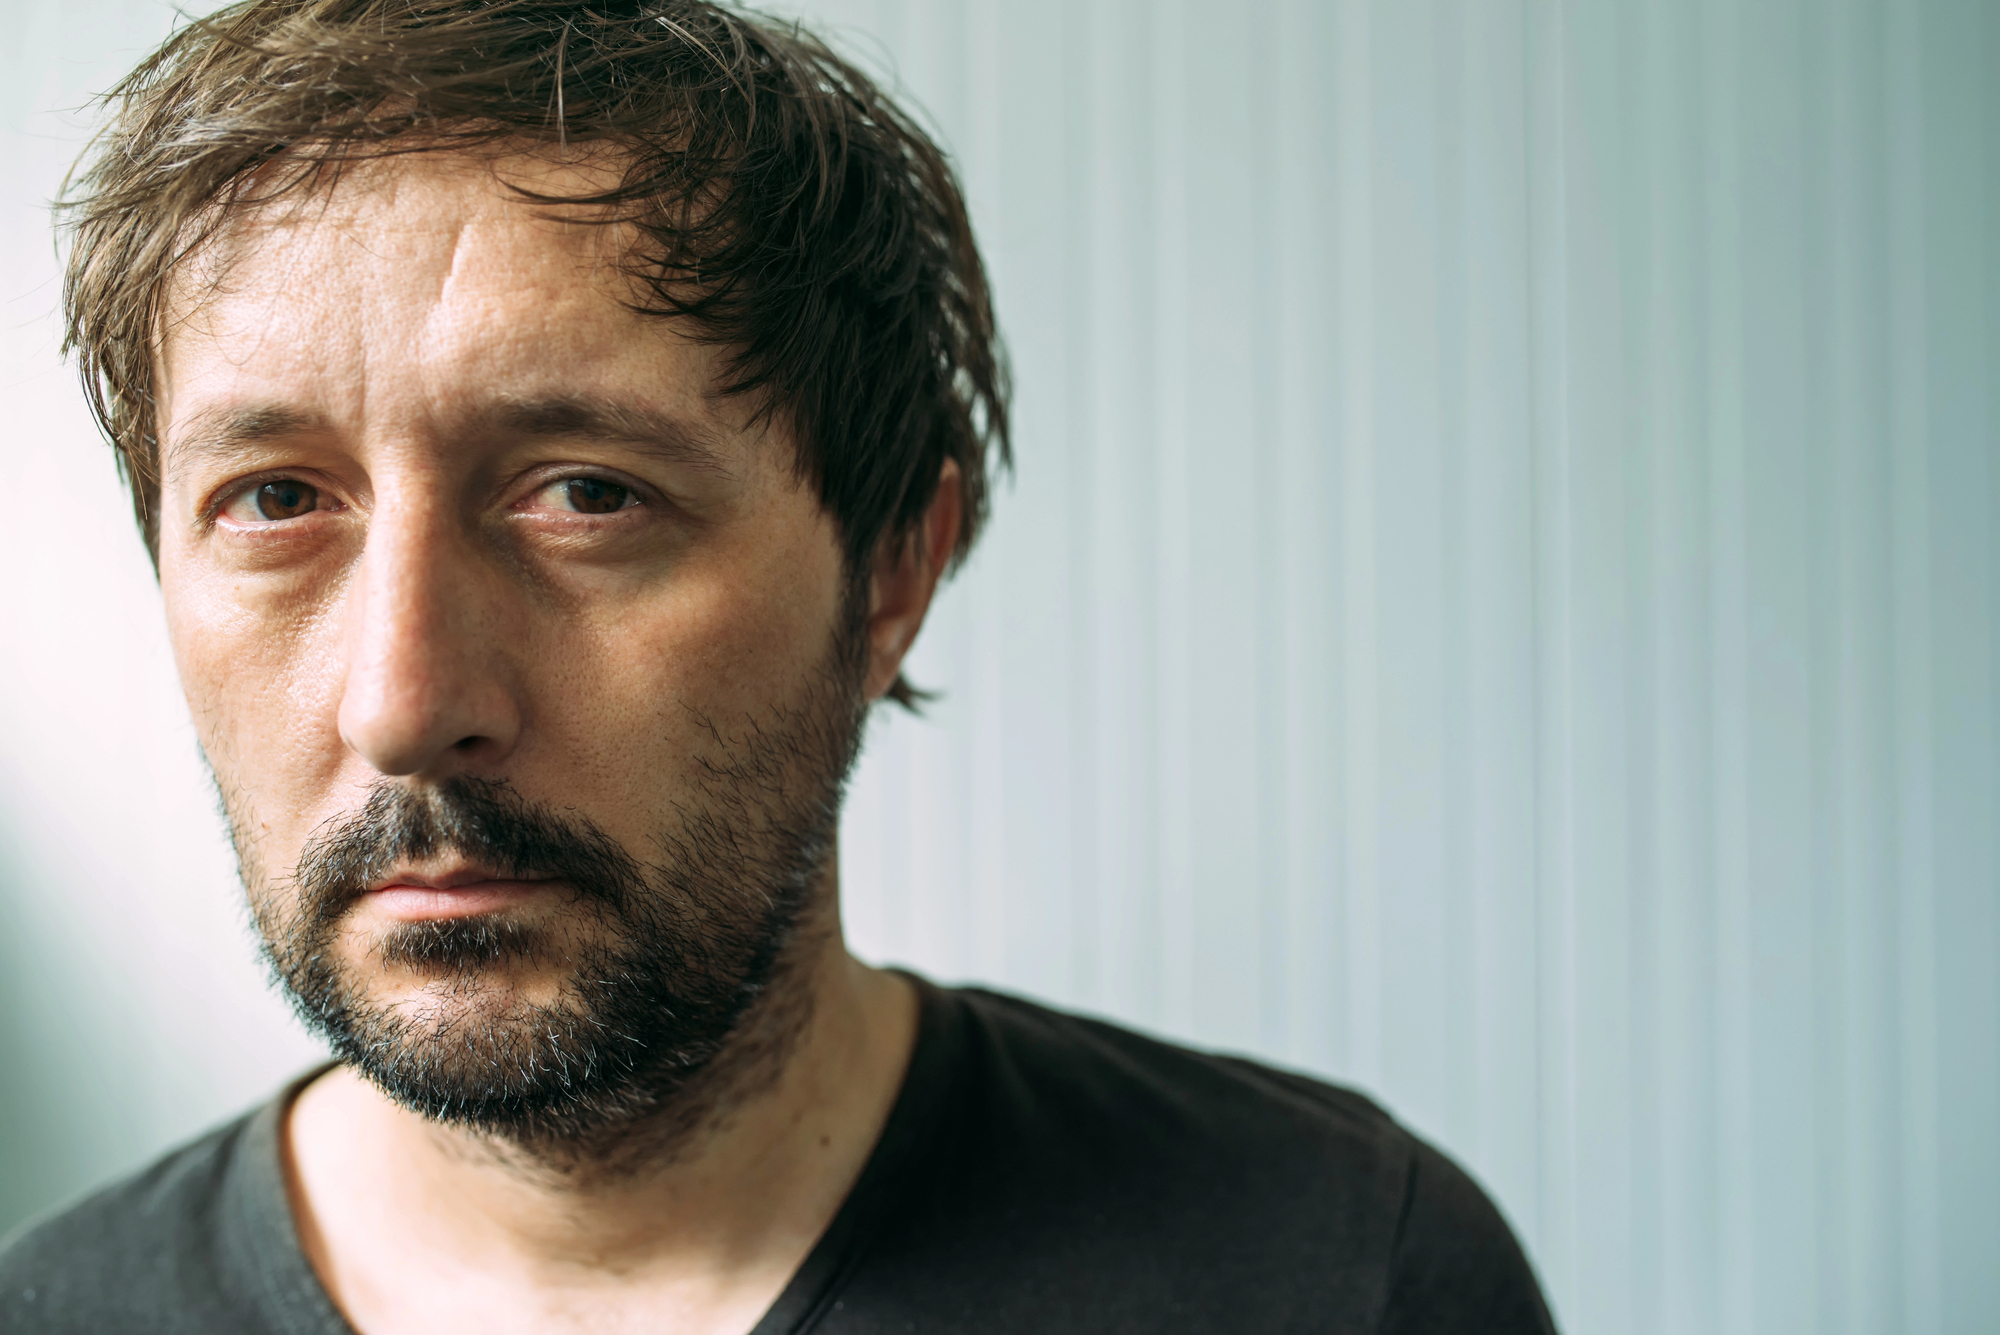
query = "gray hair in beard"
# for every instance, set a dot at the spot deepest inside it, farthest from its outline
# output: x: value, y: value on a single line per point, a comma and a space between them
x: 661, y: 962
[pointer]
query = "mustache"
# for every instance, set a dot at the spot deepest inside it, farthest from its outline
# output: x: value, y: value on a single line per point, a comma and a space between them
x: 484, y: 821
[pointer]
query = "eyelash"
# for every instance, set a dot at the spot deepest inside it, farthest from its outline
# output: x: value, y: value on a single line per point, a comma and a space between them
x: 634, y: 496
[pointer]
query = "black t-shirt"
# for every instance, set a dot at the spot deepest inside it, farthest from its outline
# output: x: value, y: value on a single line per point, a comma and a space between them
x: 1039, y: 1173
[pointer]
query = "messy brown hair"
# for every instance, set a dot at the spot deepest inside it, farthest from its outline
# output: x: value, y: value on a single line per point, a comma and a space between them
x: 788, y: 211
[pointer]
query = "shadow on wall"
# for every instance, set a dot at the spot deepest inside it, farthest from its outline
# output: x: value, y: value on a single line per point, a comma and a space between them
x: 55, y: 1124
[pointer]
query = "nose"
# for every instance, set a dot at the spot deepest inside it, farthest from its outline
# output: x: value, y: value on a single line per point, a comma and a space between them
x: 428, y: 690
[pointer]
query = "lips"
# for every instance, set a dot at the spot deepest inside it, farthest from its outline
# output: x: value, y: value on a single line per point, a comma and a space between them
x: 411, y: 896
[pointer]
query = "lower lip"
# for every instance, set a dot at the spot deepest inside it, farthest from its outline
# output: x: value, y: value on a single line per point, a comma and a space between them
x: 422, y: 903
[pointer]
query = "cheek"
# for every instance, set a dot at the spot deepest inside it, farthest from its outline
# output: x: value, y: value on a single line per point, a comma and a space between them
x: 261, y: 683
x: 647, y: 681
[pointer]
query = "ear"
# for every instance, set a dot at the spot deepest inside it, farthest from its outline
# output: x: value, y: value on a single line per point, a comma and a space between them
x: 906, y: 575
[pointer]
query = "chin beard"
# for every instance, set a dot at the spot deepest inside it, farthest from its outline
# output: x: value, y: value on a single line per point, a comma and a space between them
x: 681, y: 982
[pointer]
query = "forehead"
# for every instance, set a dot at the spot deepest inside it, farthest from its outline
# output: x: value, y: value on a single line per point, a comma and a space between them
x: 410, y: 284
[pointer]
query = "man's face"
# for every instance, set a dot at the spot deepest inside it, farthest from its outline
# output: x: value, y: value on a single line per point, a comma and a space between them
x: 521, y: 659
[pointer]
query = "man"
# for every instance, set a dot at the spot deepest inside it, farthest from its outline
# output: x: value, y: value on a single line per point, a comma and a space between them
x: 550, y: 423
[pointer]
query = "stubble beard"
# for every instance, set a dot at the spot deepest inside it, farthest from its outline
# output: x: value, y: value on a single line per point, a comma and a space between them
x: 684, y: 980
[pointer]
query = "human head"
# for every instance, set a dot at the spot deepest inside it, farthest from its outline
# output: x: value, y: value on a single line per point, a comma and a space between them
x: 347, y: 277
x: 786, y: 208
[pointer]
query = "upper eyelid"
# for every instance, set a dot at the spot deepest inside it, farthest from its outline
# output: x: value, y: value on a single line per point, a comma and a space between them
x: 212, y: 508
x: 588, y: 473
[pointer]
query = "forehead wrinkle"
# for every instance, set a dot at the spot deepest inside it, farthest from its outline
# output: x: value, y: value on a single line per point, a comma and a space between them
x: 385, y: 215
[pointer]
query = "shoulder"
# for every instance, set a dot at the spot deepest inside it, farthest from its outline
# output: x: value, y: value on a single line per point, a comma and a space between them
x: 1042, y: 1044
x: 1251, y: 1178
x: 1139, y: 1094
x: 137, y: 1255
x: 1456, y: 1264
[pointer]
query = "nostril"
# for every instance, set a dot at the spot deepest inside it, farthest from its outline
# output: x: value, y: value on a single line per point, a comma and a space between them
x: 467, y: 743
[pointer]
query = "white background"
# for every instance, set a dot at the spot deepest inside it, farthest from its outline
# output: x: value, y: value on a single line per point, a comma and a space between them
x: 1498, y: 607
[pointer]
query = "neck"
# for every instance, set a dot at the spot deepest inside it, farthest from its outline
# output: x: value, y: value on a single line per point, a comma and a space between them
x: 717, y: 1198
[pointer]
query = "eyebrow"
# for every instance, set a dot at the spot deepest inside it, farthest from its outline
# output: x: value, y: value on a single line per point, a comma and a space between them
x: 222, y: 432
x: 584, y: 416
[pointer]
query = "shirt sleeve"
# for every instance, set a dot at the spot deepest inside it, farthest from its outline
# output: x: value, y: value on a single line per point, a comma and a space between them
x: 1456, y: 1265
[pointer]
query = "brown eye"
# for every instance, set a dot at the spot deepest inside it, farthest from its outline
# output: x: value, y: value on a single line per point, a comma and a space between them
x: 286, y: 499
x: 595, y: 496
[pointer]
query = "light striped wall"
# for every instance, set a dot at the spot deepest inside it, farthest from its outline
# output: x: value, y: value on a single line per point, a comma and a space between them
x: 1498, y: 606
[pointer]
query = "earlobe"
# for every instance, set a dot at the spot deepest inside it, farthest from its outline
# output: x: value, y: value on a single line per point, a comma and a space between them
x: 907, y: 570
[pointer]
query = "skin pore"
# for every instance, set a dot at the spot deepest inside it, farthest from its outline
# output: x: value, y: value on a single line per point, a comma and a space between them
x: 436, y: 505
